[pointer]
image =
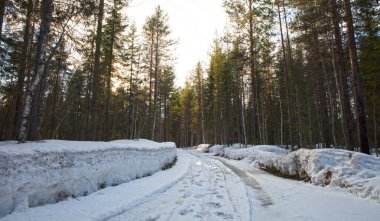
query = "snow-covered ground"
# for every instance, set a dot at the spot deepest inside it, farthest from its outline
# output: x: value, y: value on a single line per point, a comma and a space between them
x: 297, y: 200
x: 206, y: 187
x: 352, y: 171
x: 37, y: 173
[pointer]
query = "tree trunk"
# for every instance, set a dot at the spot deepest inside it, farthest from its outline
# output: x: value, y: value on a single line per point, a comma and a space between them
x: 253, y: 74
x: 96, y: 72
x: 243, y: 110
x: 291, y: 77
x: 281, y: 123
x: 55, y: 93
x: 330, y: 105
x: 156, y: 83
x: 3, y: 3
x: 131, y: 105
x: 166, y: 119
x: 359, y: 100
x: 322, y: 96
x: 46, y: 15
x: 22, y: 70
x: 35, y: 120
x: 342, y: 77
x: 310, y: 125
x: 201, y: 107
x: 375, y: 130
x: 107, y: 128
x: 286, y: 79
x: 150, y: 119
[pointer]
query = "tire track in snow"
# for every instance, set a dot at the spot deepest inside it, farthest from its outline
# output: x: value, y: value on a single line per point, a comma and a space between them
x: 248, y: 179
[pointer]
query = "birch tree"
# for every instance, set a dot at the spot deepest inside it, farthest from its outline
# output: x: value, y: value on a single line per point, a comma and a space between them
x: 46, y: 16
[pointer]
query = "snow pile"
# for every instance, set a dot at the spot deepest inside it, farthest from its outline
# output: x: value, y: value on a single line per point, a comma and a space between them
x: 203, y: 147
x: 355, y: 172
x: 111, y: 201
x: 264, y: 156
x: 34, y: 174
x: 358, y: 173
x: 216, y: 149
x: 234, y: 150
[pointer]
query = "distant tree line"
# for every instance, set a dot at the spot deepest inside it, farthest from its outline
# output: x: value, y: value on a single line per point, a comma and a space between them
x: 292, y: 72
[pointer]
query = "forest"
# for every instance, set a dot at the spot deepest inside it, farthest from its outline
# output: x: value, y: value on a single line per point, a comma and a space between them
x: 295, y: 73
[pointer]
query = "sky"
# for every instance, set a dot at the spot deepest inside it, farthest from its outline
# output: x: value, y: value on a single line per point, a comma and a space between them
x: 194, y: 23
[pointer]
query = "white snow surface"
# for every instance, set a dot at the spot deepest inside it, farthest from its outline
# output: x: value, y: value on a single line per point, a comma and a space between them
x: 205, y: 187
x: 216, y: 149
x: 203, y: 147
x: 37, y: 173
x: 59, y: 146
x: 354, y: 172
x: 299, y: 201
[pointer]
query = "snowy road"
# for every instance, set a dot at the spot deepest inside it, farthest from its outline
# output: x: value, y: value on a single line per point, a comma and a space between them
x: 209, y: 191
x: 203, y: 187
x: 218, y: 189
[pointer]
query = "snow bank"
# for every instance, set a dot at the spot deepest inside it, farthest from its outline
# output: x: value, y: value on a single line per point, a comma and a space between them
x: 216, y: 149
x: 38, y: 173
x: 355, y: 172
x: 111, y: 201
x: 235, y: 150
x: 203, y: 147
x: 264, y: 156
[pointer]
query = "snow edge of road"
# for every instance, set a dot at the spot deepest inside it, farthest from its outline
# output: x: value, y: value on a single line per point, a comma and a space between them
x: 110, y: 201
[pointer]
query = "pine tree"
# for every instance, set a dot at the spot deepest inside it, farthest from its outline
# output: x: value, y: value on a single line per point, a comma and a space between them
x: 96, y: 78
x: 157, y: 42
x: 359, y: 100
x: 112, y: 44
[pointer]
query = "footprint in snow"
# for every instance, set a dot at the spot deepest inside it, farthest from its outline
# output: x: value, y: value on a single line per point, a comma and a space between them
x: 198, y: 216
x: 214, y: 205
x: 184, y: 212
x: 154, y: 218
x: 224, y: 215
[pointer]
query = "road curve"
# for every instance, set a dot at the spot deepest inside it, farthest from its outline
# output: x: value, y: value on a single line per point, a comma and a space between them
x: 211, y: 190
